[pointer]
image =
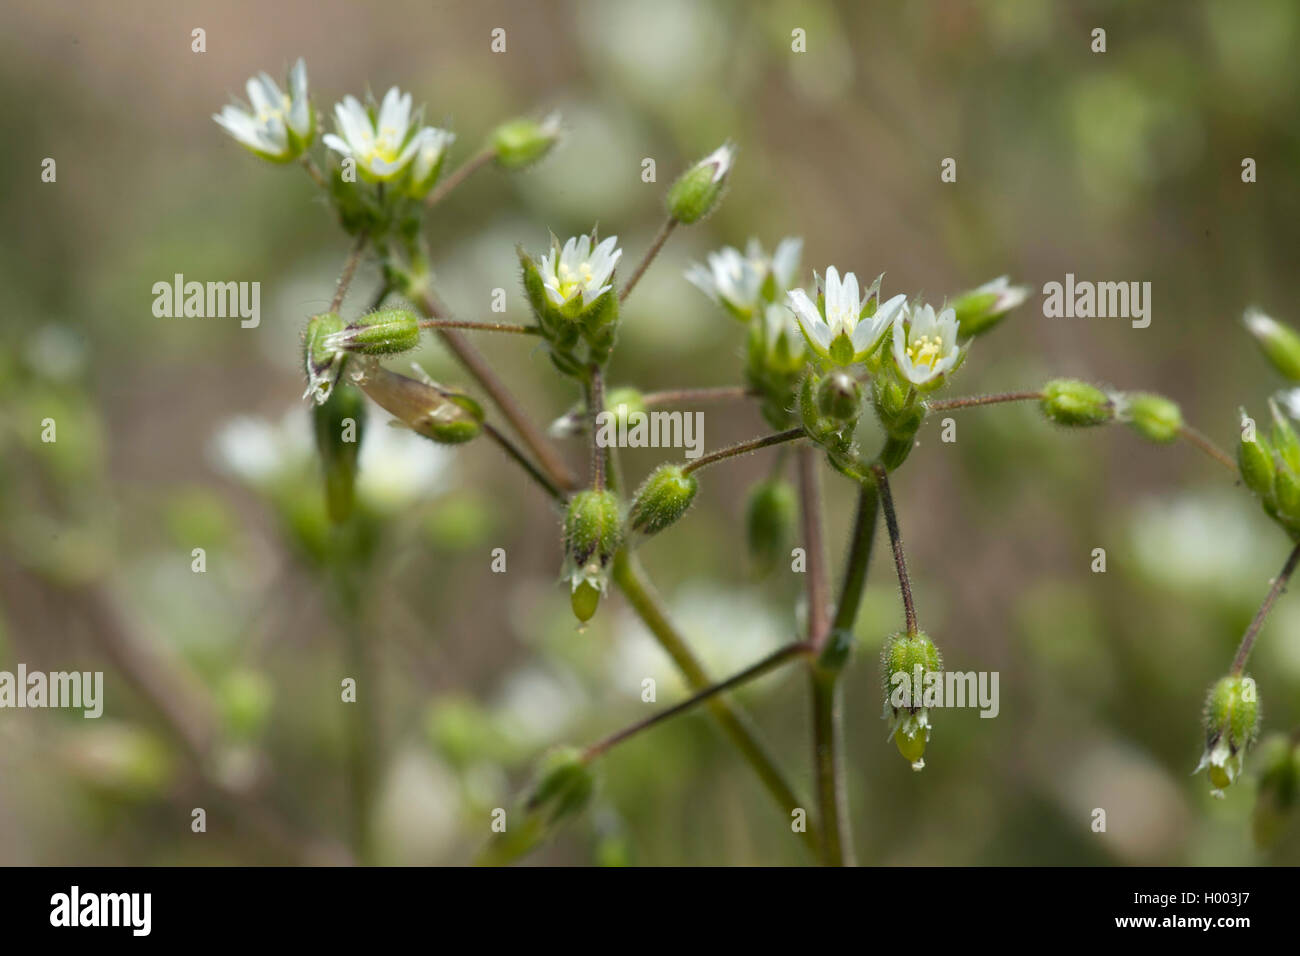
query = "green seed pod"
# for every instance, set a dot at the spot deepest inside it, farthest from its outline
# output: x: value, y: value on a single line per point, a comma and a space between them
x: 1231, y: 723
x: 437, y: 413
x: 1255, y: 459
x: 1154, y: 417
x: 981, y: 309
x: 906, y: 662
x: 321, y: 358
x: 519, y: 143
x: 1077, y: 404
x: 1279, y: 343
x: 839, y: 396
x: 563, y: 786
x: 697, y: 191
x: 339, y: 426
x: 384, y: 332
x: 662, y: 498
x: 593, y: 532
x: 1285, y: 442
x: 1279, y: 788
x: 769, y: 523
x: 1286, y: 495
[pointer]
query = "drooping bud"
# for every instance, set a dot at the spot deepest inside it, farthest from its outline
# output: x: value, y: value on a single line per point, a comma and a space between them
x: 593, y: 531
x: 1279, y: 788
x: 981, y: 309
x: 697, y: 191
x: 561, y: 788
x: 339, y: 427
x: 1154, y: 417
x: 907, y: 663
x: 662, y: 498
x: 519, y: 143
x: 839, y: 396
x: 1279, y: 343
x: 436, y: 412
x: 383, y: 332
x: 1070, y: 402
x: 769, y: 523
x: 1255, y: 459
x: 1231, y: 726
x: 322, y: 360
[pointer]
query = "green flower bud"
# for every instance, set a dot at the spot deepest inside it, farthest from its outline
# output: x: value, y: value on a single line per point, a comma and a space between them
x: 662, y: 498
x: 593, y: 531
x: 385, y: 332
x: 905, y: 663
x: 1070, y: 402
x: 1279, y: 787
x: 321, y: 358
x: 440, y: 414
x: 1154, y: 417
x: 839, y: 396
x: 769, y: 523
x: 981, y: 309
x: 1279, y: 343
x: 519, y: 143
x: 1255, y: 459
x: 624, y: 402
x: 697, y: 191
x: 339, y: 426
x: 1285, y: 442
x: 1231, y: 725
x: 563, y: 786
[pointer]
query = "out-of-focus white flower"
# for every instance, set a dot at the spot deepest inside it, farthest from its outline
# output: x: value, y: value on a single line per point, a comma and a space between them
x: 255, y: 450
x: 845, y: 333
x: 398, y: 468
x: 537, y: 705
x: 925, y: 345
x: 382, y: 143
x: 739, y: 282
x: 426, y: 165
x: 577, y: 274
x: 277, y: 126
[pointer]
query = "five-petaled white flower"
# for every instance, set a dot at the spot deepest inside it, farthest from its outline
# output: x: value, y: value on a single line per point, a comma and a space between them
x: 846, y: 333
x: 925, y: 345
x: 738, y: 282
x: 577, y: 275
x: 279, y: 126
x: 382, y: 144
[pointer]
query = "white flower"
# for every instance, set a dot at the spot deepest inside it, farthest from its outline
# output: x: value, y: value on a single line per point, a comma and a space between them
x: 925, y: 345
x: 781, y: 333
x: 1008, y: 296
x: 577, y: 275
x: 739, y: 282
x: 720, y: 159
x: 279, y: 126
x: 844, y: 335
x: 430, y: 151
x: 382, y: 145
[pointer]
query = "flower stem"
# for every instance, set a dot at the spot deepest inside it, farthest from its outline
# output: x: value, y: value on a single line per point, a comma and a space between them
x: 630, y: 579
x: 460, y: 174
x: 815, y: 546
x: 533, y: 471
x: 595, y: 406
x: 1252, y: 632
x: 313, y: 171
x: 770, y: 663
x: 837, y: 849
x: 891, y: 521
x: 480, y: 326
x: 664, y: 232
x: 855, y: 572
x: 1199, y: 440
x: 725, y: 393
x: 947, y: 404
x: 349, y: 270
x: 742, y: 448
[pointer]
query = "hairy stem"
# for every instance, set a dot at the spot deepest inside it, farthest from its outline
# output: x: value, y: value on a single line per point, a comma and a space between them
x: 460, y: 174
x: 664, y: 232
x: 522, y: 460
x: 313, y: 171
x: 1199, y: 440
x: 947, y: 404
x: 480, y: 326
x: 837, y: 849
x: 860, y: 545
x: 896, y: 541
x: 770, y: 663
x: 742, y: 448
x: 1252, y: 632
x: 679, y: 396
x: 818, y: 583
x: 349, y: 270
x: 595, y: 406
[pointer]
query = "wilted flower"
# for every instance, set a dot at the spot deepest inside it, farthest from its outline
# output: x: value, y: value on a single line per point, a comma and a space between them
x: 844, y: 327
x: 739, y: 282
x: 576, y: 275
x: 1231, y: 726
x: 925, y: 345
x: 382, y: 144
x: 279, y: 126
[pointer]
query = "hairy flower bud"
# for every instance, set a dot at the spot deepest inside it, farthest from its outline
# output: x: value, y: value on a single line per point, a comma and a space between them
x: 321, y: 359
x: 563, y: 786
x: 1231, y: 726
x: 1279, y: 343
x: 839, y: 396
x: 1071, y: 402
x: 1255, y: 459
x: 384, y: 332
x: 662, y: 498
x: 769, y: 523
x: 697, y: 191
x: 981, y: 309
x: 593, y: 531
x: 906, y: 663
x: 437, y: 413
x: 1154, y: 417
x: 338, y: 425
x: 519, y: 143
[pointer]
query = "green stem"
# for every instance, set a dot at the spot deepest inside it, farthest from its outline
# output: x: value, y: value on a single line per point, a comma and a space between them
x: 742, y: 448
x: 461, y: 173
x: 1252, y: 632
x: 664, y: 232
x: 837, y: 848
x: 855, y: 573
x: 896, y: 541
x: 480, y: 326
x: 630, y: 579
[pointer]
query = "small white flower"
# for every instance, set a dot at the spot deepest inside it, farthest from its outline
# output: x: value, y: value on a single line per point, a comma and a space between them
x: 720, y: 159
x: 781, y: 332
x: 430, y: 151
x: 382, y: 145
x: 278, y: 126
x: 844, y: 335
x: 1008, y: 296
x: 576, y: 275
x: 925, y: 345
x: 738, y: 282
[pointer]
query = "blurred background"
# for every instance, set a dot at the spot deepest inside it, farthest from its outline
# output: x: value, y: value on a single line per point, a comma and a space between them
x: 222, y: 687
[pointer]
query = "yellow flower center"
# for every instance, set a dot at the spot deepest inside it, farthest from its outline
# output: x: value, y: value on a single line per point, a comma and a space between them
x: 569, y: 280
x: 925, y: 350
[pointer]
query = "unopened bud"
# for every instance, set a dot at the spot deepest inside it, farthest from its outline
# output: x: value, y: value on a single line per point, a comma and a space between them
x: 518, y: 143
x: 437, y: 413
x: 593, y: 531
x: 1071, y: 402
x: 338, y: 444
x: 769, y: 523
x: 322, y: 360
x: 384, y: 332
x: 839, y: 396
x: 1154, y: 417
x: 1255, y: 459
x: 1279, y: 343
x: 981, y: 309
x: 662, y: 498
x: 563, y: 786
x: 1231, y: 725
x: 905, y: 663
x: 697, y: 191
